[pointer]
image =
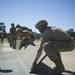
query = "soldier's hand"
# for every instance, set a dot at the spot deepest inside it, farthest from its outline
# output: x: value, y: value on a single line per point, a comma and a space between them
x: 34, y: 66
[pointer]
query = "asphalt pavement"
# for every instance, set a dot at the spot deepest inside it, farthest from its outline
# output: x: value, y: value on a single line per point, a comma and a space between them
x: 9, y: 62
x: 19, y: 62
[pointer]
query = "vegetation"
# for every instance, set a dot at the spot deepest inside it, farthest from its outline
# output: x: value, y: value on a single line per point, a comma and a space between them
x: 71, y: 32
x: 37, y: 35
x: 2, y: 31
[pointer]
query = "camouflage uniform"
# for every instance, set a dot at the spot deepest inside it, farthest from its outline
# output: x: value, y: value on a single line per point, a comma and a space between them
x: 54, y: 40
x: 54, y: 44
x: 13, y: 41
x: 26, y: 38
x: 26, y: 33
x: 53, y: 48
x: 13, y: 37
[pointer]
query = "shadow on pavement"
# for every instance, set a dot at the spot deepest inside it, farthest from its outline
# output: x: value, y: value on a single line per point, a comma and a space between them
x: 70, y: 72
x: 42, y: 69
x: 6, y: 71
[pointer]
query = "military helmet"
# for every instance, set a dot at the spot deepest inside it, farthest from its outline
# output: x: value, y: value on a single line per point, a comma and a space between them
x: 12, y: 24
x: 41, y: 24
x: 17, y: 26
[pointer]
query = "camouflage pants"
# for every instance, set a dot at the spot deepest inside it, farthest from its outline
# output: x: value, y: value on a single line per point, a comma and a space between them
x: 24, y: 42
x: 13, y: 41
x: 53, y: 48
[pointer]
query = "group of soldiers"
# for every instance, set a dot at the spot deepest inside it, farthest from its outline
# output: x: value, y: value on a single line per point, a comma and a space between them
x: 54, y: 40
x: 25, y: 34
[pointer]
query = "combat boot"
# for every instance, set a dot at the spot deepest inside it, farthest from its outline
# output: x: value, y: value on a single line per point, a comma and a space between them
x: 58, y: 69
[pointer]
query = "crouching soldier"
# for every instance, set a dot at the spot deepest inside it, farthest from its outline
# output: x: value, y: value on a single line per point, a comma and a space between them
x: 26, y: 38
x: 54, y: 41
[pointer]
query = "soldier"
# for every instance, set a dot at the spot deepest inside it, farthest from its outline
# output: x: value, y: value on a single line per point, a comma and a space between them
x: 13, y: 36
x: 26, y: 35
x: 54, y: 40
x: 26, y: 38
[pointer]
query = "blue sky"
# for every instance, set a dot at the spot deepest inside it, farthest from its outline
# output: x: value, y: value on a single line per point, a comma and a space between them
x: 60, y: 13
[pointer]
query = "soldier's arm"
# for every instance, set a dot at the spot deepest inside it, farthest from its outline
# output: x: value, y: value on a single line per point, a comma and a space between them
x: 10, y: 31
x: 39, y: 52
x: 22, y: 37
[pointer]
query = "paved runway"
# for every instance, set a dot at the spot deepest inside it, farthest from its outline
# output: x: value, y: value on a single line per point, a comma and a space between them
x: 15, y: 62
x: 9, y: 62
x: 19, y: 62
